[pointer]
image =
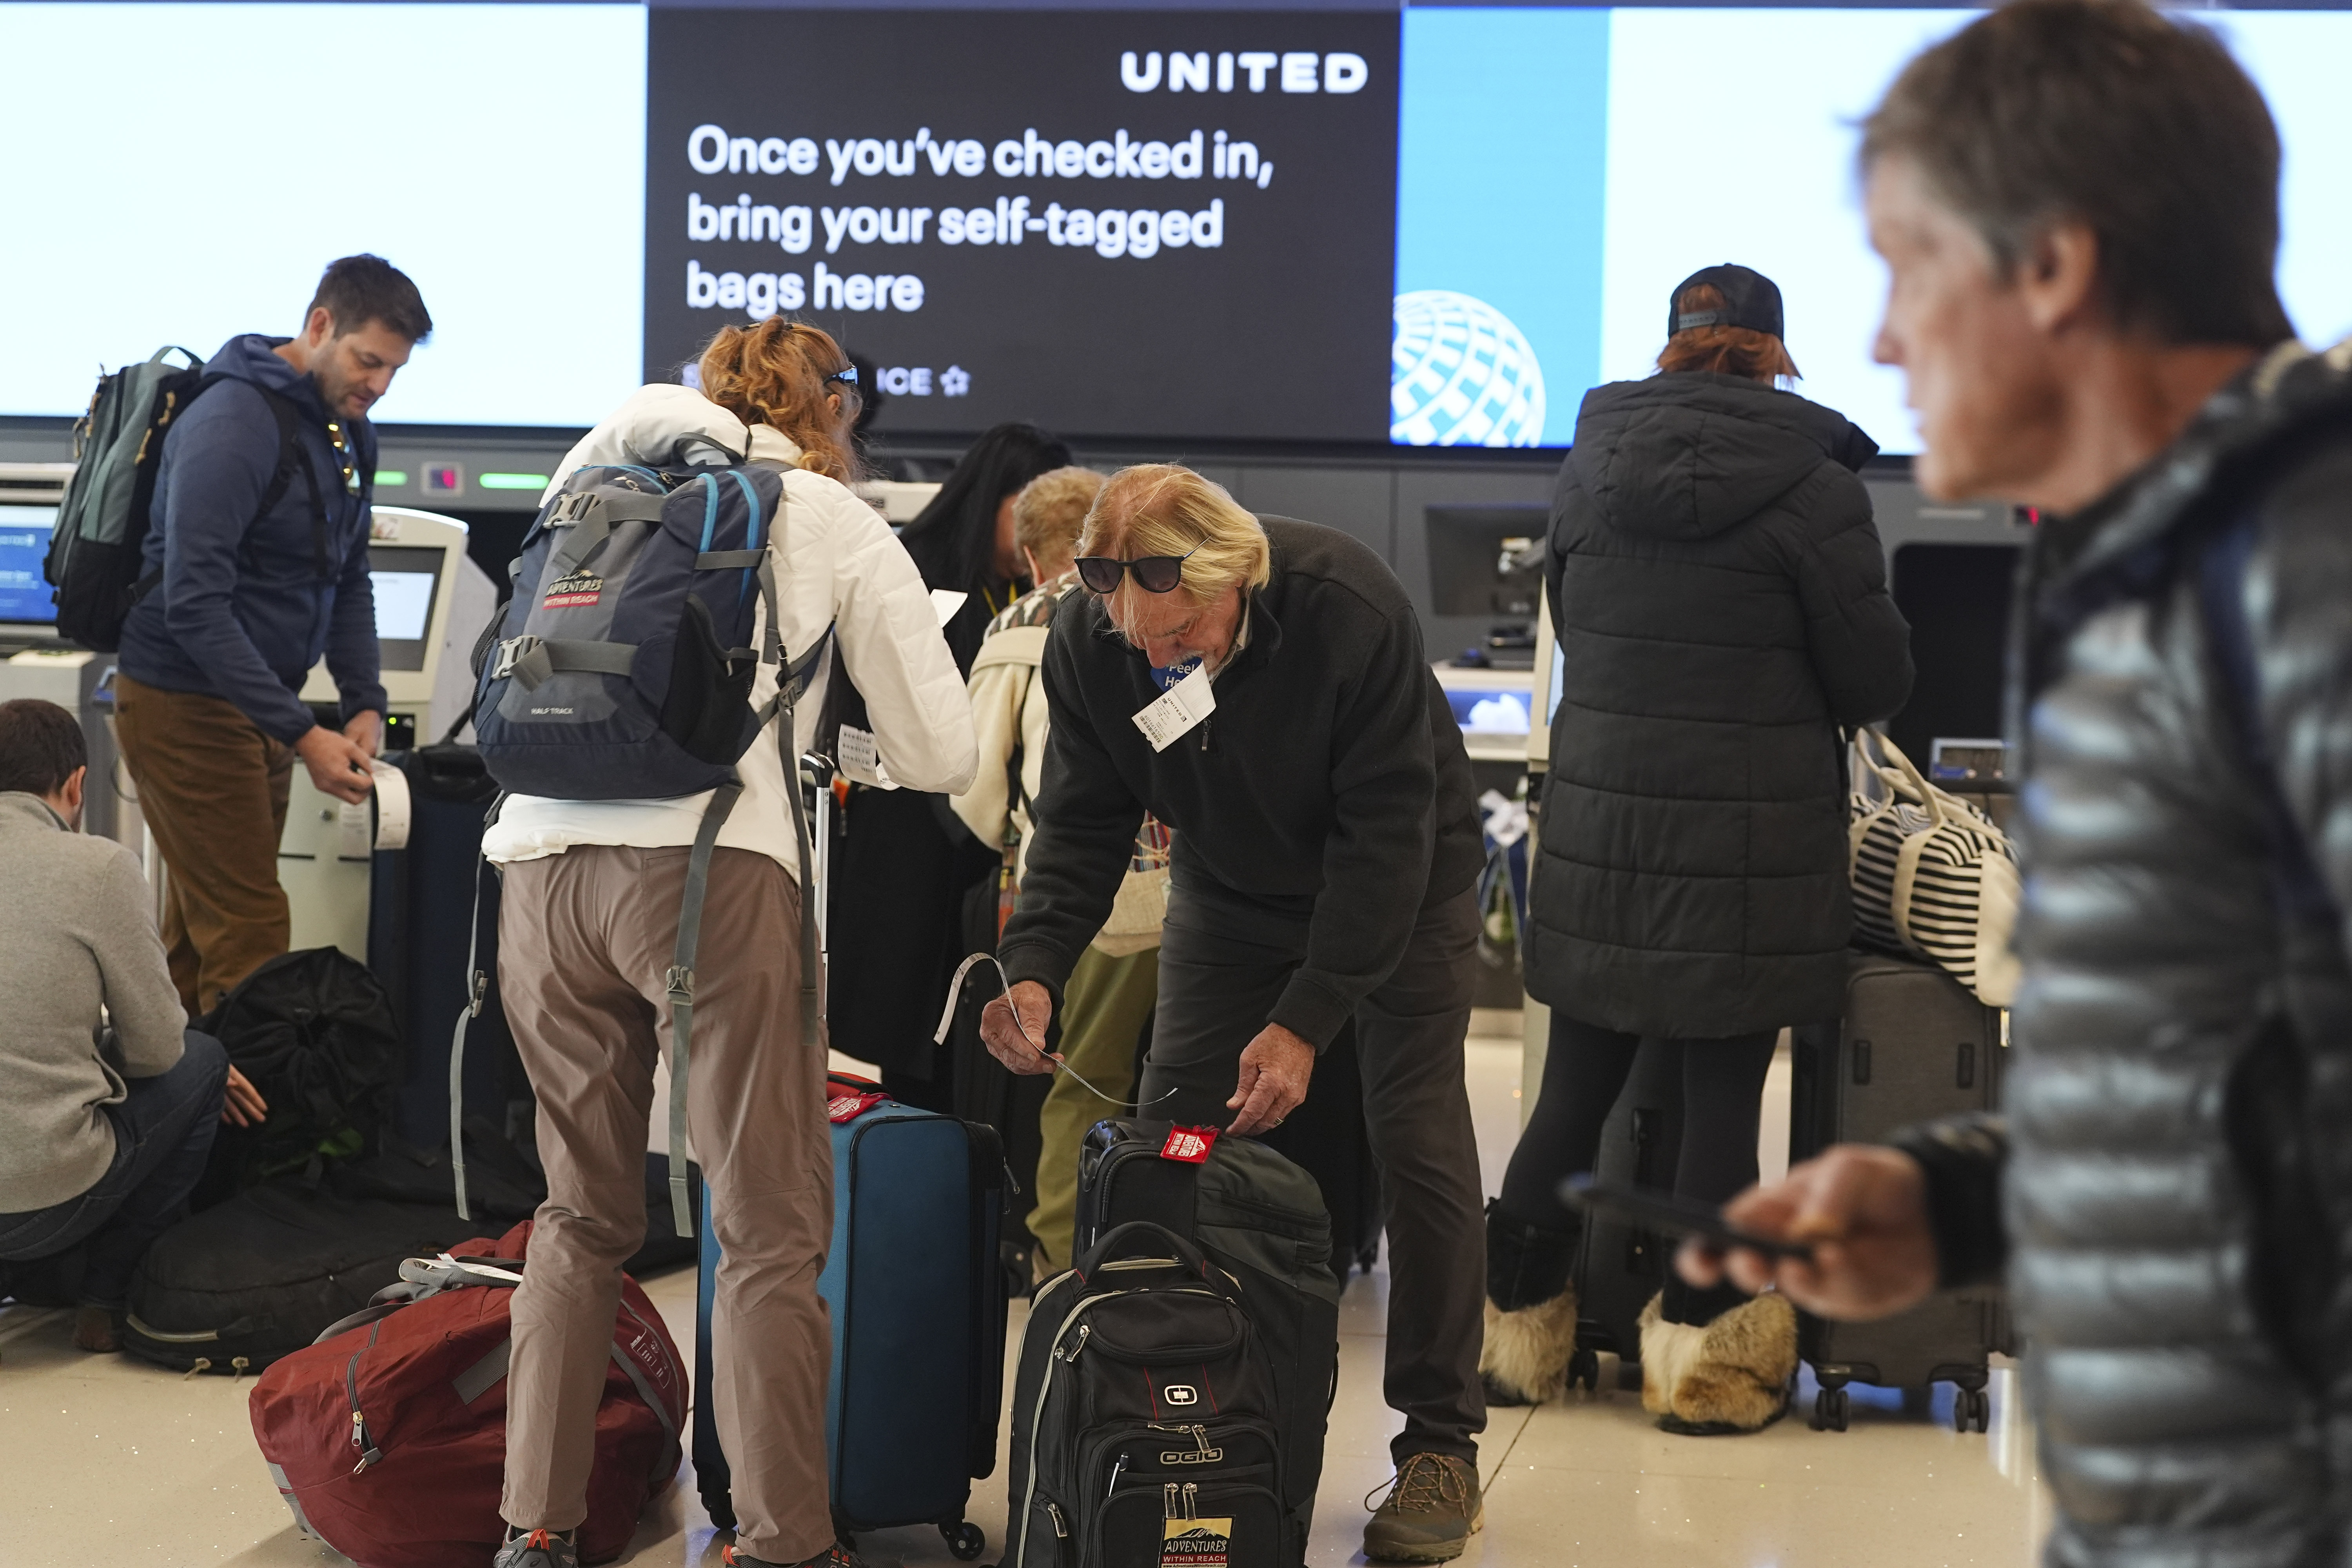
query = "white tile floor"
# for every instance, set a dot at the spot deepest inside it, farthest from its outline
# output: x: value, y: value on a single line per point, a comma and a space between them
x: 102, y: 1459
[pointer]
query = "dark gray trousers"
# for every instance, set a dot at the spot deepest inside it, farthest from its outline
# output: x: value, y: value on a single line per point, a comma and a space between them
x: 1223, y: 963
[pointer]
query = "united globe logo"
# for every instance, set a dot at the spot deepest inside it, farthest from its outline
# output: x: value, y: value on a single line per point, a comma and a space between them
x: 1461, y: 375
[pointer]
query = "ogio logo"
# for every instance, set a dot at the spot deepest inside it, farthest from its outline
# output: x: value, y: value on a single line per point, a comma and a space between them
x: 575, y: 589
x: 1181, y: 1393
x: 1193, y: 1456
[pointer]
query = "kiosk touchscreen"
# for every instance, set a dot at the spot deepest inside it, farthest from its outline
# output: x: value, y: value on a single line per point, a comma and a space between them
x: 431, y: 602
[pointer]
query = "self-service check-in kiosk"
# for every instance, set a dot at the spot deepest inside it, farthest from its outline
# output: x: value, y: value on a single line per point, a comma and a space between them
x: 34, y: 663
x: 431, y: 603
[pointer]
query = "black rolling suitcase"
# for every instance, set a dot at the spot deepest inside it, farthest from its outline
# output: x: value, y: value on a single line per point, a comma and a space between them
x: 1619, y: 1265
x: 1260, y: 1219
x: 1915, y: 1044
x: 420, y: 920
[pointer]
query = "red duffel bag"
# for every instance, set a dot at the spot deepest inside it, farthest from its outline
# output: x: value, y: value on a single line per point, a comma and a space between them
x: 388, y: 1436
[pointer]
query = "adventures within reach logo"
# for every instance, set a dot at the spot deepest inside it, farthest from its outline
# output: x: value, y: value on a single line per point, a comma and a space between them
x: 573, y: 590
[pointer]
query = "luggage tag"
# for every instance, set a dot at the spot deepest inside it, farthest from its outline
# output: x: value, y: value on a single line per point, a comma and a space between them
x: 860, y: 760
x: 1189, y: 1145
x: 1179, y: 710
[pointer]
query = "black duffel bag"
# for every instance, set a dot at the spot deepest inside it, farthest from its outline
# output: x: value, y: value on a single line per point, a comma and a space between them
x: 233, y: 1288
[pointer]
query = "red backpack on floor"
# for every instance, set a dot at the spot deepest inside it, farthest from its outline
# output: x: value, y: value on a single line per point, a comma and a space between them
x: 388, y: 1436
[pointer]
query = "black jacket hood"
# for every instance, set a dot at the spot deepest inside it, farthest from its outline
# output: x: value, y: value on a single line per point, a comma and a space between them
x: 1689, y: 454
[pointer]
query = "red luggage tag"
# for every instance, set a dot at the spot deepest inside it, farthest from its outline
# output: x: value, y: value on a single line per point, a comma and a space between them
x: 847, y: 1098
x: 1189, y: 1144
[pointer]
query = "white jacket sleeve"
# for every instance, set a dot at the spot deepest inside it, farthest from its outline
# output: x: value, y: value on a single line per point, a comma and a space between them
x: 649, y: 427
x: 895, y: 656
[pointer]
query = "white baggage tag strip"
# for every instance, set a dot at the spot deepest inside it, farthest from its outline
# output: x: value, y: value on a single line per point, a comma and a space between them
x: 860, y: 762
x: 945, y: 602
x: 393, y: 809
x: 1178, y: 709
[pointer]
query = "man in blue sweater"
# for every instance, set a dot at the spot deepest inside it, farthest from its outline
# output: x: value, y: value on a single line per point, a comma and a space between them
x: 260, y: 513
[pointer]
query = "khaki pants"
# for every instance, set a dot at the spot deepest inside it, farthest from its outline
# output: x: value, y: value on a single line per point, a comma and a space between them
x: 1103, y: 1009
x: 585, y: 940
x: 212, y: 788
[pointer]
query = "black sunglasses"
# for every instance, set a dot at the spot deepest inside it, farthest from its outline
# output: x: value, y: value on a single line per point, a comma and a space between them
x: 848, y: 378
x: 1152, y: 573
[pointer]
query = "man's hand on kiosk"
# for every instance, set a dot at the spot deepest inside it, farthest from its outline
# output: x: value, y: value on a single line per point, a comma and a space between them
x: 1862, y: 1210
x: 1275, y: 1071
x: 338, y: 763
x: 1003, y: 1036
x: 365, y: 730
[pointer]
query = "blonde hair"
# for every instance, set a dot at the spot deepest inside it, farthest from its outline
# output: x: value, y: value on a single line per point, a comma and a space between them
x: 774, y: 374
x: 1726, y: 350
x: 1165, y: 508
x: 1050, y: 510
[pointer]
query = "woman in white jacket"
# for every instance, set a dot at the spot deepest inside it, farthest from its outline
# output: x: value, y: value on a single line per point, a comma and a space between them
x: 589, y: 913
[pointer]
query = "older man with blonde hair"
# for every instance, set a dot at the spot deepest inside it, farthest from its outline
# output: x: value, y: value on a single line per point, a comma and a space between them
x: 1259, y: 685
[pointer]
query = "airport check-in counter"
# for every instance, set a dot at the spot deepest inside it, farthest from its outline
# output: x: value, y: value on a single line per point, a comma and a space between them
x: 431, y: 603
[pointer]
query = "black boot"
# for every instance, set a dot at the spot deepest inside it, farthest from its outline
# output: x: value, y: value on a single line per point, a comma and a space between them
x: 1530, y: 1308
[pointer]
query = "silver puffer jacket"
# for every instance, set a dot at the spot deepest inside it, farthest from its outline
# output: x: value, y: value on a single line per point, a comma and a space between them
x: 2178, y: 1130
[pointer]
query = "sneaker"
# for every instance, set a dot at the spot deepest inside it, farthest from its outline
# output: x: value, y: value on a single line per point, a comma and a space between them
x: 537, y: 1548
x: 1432, y: 1511
x: 834, y: 1556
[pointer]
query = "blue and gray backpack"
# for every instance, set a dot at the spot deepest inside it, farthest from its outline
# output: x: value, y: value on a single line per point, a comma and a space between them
x: 622, y: 670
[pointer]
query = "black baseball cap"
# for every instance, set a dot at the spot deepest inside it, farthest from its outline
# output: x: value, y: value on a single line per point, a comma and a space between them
x: 1751, y: 300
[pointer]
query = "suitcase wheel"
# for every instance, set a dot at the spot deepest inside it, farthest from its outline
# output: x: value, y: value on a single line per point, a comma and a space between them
x: 1971, y: 1407
x: 966, y: 1541
x: 1830, y: 1410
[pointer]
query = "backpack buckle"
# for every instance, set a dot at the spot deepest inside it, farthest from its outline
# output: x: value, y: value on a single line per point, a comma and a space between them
x: 682, y: 982
x: 576, y: 507
x: 513, y: 651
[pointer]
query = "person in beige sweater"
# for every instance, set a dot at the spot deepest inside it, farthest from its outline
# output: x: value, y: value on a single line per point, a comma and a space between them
x: 1116, y: 983
x: 107, y: 1100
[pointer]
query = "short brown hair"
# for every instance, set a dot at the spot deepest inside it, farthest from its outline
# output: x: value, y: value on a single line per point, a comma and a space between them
x: 357, y: 290
x: 1050, y: 510
x: 40, y: 746
x: 774, y: 374
x: 1726, y: 350
x: 2107, y: 113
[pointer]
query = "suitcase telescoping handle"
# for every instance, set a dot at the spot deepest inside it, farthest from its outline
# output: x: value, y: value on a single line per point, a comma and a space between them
x: 1142, y: 1241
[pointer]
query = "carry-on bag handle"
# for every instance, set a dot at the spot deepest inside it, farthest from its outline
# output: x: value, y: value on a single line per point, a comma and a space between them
x: 1140, y: 1239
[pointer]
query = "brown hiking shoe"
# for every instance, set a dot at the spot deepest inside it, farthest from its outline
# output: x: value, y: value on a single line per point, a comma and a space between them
x: 1432, y: 1511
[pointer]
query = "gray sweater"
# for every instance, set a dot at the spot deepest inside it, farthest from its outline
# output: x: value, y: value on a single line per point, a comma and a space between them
x: 77, y: 930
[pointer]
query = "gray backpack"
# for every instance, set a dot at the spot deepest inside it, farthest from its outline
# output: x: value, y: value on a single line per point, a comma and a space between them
x: 96, y: 553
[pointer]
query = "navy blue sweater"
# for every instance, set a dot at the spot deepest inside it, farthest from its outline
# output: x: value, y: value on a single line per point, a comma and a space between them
x: 244, y: 610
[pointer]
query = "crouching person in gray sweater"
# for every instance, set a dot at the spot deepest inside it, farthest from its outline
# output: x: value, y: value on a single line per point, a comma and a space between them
x: 107, y: 1100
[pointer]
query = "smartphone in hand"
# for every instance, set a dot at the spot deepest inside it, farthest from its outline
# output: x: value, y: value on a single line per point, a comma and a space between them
x: 1671, y: 1216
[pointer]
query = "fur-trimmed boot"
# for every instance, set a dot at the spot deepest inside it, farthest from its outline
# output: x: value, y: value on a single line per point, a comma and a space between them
x: 1530, y: 1310
x: 1727, y: 1376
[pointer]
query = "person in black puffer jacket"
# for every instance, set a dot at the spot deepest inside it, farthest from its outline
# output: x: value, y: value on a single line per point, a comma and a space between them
x: 1720, y: 593
x: 2078, y: 201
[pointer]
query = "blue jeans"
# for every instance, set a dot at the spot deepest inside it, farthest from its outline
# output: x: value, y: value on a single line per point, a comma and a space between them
x: 163, y: 1133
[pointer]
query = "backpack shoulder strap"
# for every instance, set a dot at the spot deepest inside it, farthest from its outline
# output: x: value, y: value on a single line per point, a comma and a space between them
x: 2221, y: 562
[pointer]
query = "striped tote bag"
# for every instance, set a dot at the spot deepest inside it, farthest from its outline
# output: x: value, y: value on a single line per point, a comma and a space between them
x: 1933, y: 877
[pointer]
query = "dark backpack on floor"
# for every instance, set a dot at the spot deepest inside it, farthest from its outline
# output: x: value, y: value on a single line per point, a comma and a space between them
x: 1147, y: 1419
x: 235, y: 1288
x: 314, y: 1032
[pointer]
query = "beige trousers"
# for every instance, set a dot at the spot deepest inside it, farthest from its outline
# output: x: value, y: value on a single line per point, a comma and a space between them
x: 585, y: 940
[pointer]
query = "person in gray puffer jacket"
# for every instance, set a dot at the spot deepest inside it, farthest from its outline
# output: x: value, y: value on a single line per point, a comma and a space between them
x: 2077, y: 201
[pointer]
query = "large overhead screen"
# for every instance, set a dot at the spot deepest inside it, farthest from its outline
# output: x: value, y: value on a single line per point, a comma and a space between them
x: 1438, y: 225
